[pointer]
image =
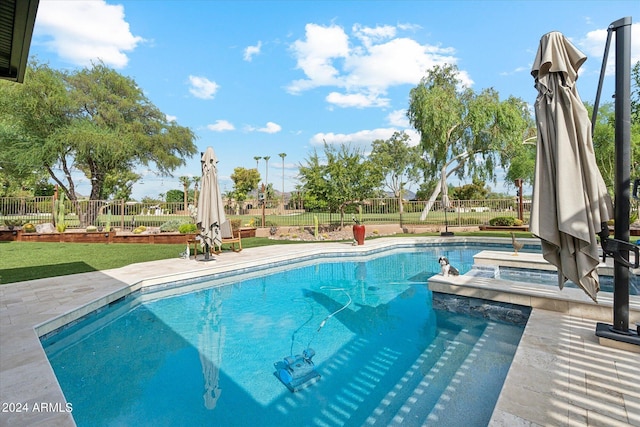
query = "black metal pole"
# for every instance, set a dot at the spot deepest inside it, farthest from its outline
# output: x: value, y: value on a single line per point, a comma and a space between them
x: 622, y: 27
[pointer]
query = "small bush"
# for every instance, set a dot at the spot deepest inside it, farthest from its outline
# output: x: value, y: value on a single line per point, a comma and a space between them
x: 13, y: 222
x: 518, y: 222
x: 187, y: 228
x: 172, y: 225
x: 502, y: 221
x: 91, y: 229
x: 139, y: 230
x: 29, y: 228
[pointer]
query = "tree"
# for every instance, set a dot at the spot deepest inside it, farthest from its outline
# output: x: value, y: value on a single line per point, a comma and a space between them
x: 257, y: 159
x: 186, y: 182
x: 399, y: 163
x: 174, y: 196
x: 474, y: 191
x: 604, y: 144
x: 119, y: 185
x: 282, y: 156
x: 93, y: 121
x: 266, y: 170
x: 461, y: 132
x: 196, y: 183
x: 347, y: 177
x: 244, y: 181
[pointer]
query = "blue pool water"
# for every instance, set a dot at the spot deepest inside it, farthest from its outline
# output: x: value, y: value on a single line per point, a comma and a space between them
x: 551, y: 278
x: 203, y: 353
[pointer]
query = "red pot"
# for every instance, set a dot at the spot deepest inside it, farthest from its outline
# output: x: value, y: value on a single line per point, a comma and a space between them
x: 358, y: 233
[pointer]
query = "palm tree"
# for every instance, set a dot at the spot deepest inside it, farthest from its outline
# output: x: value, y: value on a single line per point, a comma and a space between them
x: 266, y: 168
x: 282, y: 156
x: 196, y: 181
x: 186, y: 181
x: 257, y: 159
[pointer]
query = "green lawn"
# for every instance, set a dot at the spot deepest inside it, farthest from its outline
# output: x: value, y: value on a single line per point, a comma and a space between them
x: 28, y: 261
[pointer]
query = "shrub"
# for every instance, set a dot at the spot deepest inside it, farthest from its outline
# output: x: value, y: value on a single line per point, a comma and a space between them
x: 91, y: 229
x: 13, y: 222
x: 172, y: 225
x: 139, y: 230
x: 29, y: 228
x: 187, y: 228
x: 518, y: 222
x: 503, y: 221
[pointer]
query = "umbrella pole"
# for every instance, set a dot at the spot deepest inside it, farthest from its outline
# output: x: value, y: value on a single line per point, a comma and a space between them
x: 623, y: 169
x: 620, y: 330
x: 446, y: 233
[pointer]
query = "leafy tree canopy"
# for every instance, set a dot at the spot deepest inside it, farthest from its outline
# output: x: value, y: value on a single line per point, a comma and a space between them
x: 345, y: 176
x: 463, y: 132
x: 244, y: 181
x: 398, y: 161
x: 93, y: 120
x: 474, y: 191
x: 174, y: 196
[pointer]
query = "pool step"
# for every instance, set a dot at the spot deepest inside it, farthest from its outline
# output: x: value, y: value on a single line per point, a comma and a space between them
x: 422, y: 383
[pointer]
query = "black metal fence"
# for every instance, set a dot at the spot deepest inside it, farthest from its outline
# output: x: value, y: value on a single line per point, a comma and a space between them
x: 119, y: 214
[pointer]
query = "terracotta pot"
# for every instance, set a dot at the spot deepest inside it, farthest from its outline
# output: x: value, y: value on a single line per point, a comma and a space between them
x: 358, y: 233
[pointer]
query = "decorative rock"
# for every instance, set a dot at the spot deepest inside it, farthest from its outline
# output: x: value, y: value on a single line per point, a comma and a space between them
x: 47, y: 227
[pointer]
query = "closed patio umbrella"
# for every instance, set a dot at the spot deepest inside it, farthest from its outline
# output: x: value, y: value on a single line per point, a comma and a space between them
x: 210, y: 214
x: 570, y: 200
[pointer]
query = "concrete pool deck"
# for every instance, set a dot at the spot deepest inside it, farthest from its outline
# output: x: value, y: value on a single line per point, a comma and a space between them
x: 560, y: 379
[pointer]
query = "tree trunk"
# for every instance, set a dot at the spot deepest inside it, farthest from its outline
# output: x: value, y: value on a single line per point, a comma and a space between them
x: 443, y: 181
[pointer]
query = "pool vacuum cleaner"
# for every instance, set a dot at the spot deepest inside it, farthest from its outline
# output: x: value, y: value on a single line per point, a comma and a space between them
x: 297, y: 372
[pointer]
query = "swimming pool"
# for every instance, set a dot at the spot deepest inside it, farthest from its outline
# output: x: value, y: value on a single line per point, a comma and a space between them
x: 203, y: 353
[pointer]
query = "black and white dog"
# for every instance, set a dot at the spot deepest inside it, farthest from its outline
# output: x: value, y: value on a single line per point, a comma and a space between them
x: 447, y: 269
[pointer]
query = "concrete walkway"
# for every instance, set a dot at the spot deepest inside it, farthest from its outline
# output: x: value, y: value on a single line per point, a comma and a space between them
x: 560, y: 379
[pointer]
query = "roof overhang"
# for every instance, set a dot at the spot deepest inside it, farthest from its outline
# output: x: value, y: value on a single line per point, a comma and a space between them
x: 17, y: 18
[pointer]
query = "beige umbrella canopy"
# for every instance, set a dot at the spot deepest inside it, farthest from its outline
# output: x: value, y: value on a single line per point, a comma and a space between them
x: 570, y: 199
x: 210, y: 206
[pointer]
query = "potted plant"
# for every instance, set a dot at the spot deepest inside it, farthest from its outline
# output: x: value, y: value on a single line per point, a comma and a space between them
x: 358, y: 228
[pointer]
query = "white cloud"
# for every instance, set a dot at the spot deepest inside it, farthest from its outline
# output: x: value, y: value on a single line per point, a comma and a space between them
x: 515, y: 71
x: 203, y: 88
x: 85, y: 31
x: 315, y: 56
x: 361, y: 139
x: 398, y: 118
x: 221, y: 126
x: 365, y: 64
x: 251, y: 51
x: 369, y: 35
x: 270, y: 128
x: 359, y: 100
x: 171, y: 118
x: 594, y: 42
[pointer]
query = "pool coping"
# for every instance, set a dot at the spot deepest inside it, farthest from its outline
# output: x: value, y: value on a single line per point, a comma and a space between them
x: 31, y: 309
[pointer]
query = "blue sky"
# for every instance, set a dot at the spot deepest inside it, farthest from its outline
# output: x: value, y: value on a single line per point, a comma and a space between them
x: 260, y: 78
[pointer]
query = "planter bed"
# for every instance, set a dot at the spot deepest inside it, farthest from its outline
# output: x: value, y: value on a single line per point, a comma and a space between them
x: 95, y: 237
x: 247, y: 232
